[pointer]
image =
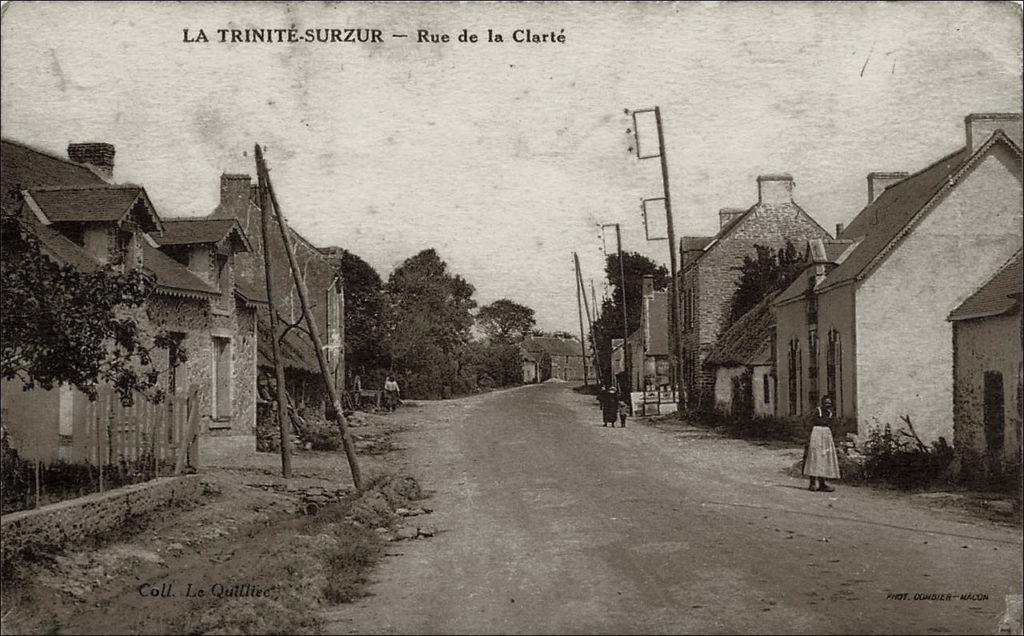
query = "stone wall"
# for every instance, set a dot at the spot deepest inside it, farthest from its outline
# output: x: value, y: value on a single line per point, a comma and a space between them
x: 67, y: 522
x: 714, y: 276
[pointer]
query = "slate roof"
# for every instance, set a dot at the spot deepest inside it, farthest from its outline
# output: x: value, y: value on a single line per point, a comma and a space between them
x: 747, y: 342
x: 828, y: 252
x: 58, y: 246
x: 202, y: 230
x: 250, y: 293
x: 996, y: 297
x: 552, y: 346
x: 888, y: 217
x: 109, y: 203
x: 172, y: 276
x: 23, y: 167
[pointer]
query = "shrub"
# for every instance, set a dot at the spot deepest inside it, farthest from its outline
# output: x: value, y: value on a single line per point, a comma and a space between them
x: 900, y: 458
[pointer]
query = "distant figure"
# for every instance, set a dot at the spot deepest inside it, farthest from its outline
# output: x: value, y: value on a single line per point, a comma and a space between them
x: 390, y: 393
x: 820, y: 459
x: 609, y: 399
x: 623, y: 410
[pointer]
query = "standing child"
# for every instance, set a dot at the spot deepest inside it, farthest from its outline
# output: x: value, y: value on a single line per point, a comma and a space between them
x: 820, y: 459
x: 623, y: 411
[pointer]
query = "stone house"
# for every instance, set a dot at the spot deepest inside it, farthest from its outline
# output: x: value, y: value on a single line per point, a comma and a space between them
x: 744, y: 364
x: 709, y: 274
x: 651, y: 389
x: 875, y: 320
x: 321, y: 269
x: 565, y: 356
x: 84, y: 219
x: 988, y: 372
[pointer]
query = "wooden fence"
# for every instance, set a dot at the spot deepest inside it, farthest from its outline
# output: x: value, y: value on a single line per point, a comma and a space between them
x: 106, y: 432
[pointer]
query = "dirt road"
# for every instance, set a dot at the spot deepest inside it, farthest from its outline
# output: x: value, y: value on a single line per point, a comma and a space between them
x: 551, y: 523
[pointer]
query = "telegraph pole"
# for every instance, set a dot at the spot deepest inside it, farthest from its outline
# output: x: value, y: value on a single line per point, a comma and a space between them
x: 579, y: 307
x: 625, y: 320
x: 675, y: 341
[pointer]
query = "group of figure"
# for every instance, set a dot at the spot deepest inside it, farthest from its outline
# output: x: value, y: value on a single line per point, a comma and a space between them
x: 613, y: 407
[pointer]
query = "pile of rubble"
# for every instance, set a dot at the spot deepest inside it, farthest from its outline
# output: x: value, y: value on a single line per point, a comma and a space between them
x: 312, y: 497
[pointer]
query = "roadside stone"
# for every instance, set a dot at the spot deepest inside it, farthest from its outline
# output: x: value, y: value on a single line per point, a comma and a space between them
x: 427, y: 531
x: 407, y: 532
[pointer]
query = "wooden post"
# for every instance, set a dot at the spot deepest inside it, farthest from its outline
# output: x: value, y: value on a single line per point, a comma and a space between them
x: 191, y: 433
x: 314, y: 332
x: 675, y: 341
x: 281, y: 394
x: 579, y: 308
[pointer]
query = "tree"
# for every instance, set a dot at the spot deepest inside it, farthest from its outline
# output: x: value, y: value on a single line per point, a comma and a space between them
x: 767, y: 272
x: 63, y: 325
x: 427, y: 322
x: 608, y: 324
x: 364, y: 304
x: 505, y: 322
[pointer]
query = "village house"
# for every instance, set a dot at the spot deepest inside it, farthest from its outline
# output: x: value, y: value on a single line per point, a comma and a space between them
x: 709, y: 274
x: 651, y: 390
x: 321, y: 269
x: 546, y: 357
x: 988, y: 373
x: 84, y: 219
x: 875, y: 319
x: 744, y: 364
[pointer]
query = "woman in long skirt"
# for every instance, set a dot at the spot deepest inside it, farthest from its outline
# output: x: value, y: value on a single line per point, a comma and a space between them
x: 820, y: 459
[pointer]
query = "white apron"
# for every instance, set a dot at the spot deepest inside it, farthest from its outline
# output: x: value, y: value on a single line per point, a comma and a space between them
x: 820, y: 458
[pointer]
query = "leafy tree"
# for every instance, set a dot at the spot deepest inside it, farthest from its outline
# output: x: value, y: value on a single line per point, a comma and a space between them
x: 608, y: 324
x: 767, y: 272
x: 504, y: 321
x: 364, y: 304
x: 427, y: 324
x: 64, y: 325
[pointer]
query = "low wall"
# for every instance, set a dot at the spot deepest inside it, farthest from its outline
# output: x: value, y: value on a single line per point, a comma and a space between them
x: 66, y: 522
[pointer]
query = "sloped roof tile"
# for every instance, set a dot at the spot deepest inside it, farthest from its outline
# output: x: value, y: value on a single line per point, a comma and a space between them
x: 996, y: 297
x: 202, y: 230
x: 747, y: 341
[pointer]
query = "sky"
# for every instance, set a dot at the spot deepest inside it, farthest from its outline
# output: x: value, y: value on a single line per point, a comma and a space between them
x: 506, y: 157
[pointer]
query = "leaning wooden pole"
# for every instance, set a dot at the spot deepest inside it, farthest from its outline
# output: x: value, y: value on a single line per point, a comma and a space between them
x: 579, y: 308
x: 314, y: 332
x: 280, y: 391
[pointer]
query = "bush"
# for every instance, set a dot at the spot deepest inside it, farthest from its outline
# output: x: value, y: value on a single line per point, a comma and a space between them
x: 900, y: 458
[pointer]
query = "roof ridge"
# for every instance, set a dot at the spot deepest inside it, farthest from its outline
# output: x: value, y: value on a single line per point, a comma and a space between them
x: 95, y: 186
x: 8, y: 140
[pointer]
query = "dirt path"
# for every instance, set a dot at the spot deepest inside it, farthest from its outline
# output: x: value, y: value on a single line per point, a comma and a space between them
x: 551, y: 523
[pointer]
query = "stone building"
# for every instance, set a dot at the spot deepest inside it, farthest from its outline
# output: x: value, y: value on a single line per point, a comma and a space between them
x: 546, y: 357
x: 321, y: 269
x: 744, y: 365
x: 873, y: 324
x: 988, y: 372
x: 708, y: 275
x: 651, y: 389
x: 83, y: 219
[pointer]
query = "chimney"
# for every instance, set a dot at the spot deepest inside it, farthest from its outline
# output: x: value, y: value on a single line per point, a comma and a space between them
x: 839, y: 229
x: 774, y: 189
x: 99, y: 156
x: 980, y: 127
x: 728, y: 215
x: 648, y: 286
x: 879, y: 181
x: 234, y: 192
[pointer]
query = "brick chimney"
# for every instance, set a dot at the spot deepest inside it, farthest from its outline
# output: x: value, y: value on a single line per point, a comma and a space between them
x: 99, y: 156
x: 839, y: 229
x: 234, y: 192
x: 774, y: 189
x: 648, y: 286
x: 980, y: 127
x: 728, y: 215
x: 879, y: 181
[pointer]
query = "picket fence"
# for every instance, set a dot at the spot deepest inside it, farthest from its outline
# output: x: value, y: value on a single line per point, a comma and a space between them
x: 106, y: 432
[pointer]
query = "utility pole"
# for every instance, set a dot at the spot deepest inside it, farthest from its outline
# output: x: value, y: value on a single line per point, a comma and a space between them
x: 579, y: 307
x: 675, y: 341
x: 282, y: 401
x: 314, y: 332
x: 625, y: 321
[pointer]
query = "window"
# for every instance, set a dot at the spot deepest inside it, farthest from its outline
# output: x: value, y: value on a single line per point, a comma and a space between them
x: 767, y: 388
x: 223, y: 273
x: 831, y: 357
x: 221, y: 385
x: 794, y: 369
x: 995, y: 413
